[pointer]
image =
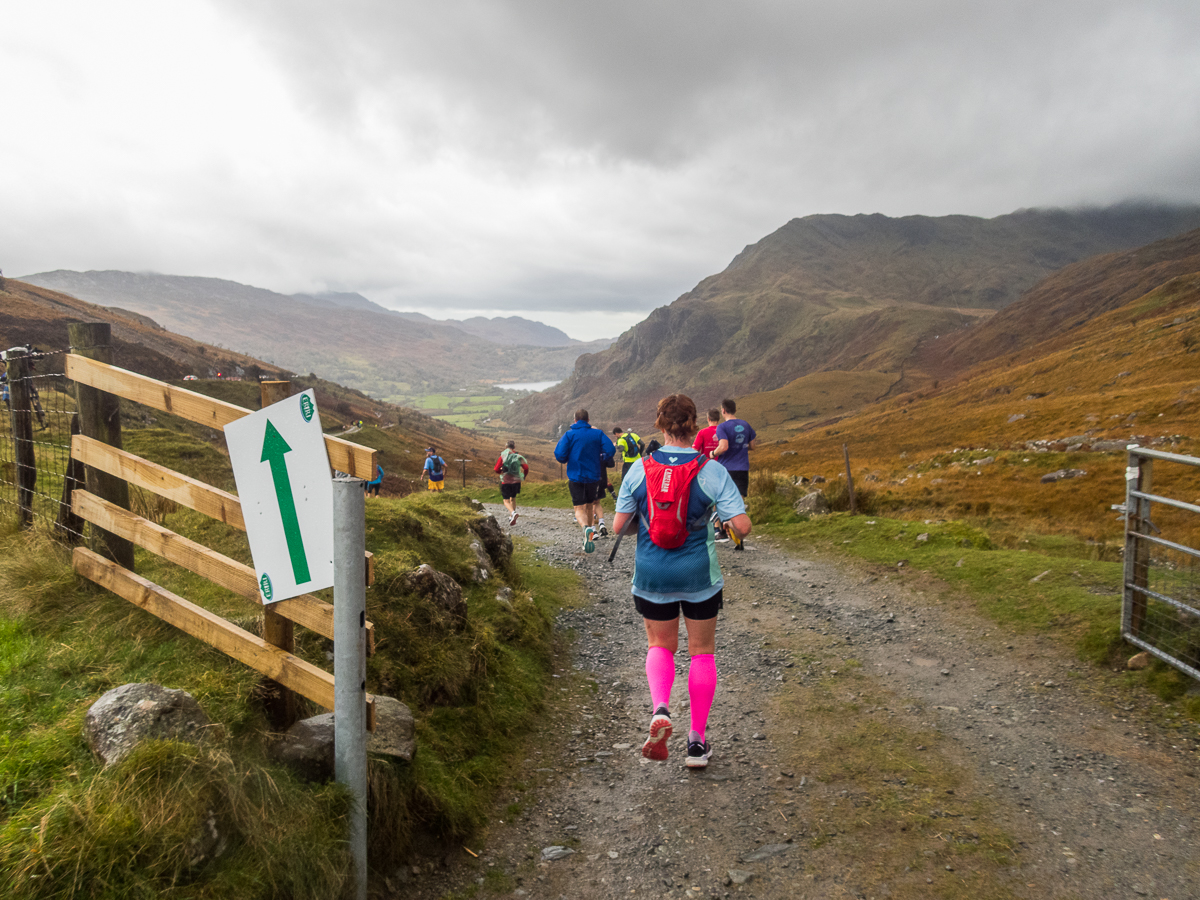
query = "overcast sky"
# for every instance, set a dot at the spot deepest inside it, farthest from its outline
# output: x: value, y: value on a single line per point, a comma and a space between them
x: 575, y: 163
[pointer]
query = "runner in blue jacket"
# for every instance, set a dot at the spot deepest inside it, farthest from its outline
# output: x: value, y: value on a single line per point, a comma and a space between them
x: 586, y: 451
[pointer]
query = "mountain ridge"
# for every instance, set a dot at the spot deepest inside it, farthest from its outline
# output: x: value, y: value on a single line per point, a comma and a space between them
x: 837, y: 293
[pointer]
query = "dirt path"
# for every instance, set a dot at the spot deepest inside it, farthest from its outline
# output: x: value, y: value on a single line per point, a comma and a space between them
x: 869, y: 742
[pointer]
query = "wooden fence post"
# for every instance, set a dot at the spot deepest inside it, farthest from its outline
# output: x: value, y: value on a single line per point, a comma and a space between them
x: 281, y: 706
x: 100, y: 418
x: 849, y: 481
x: 21, y: 416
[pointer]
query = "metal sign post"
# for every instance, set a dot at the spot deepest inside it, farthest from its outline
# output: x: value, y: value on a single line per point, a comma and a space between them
x: 350, y: 660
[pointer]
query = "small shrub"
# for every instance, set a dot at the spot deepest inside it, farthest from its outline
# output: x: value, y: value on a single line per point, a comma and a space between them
x: 837, y: 495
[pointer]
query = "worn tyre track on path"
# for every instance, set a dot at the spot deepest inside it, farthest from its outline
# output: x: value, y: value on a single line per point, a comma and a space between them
x: 1028, y: 774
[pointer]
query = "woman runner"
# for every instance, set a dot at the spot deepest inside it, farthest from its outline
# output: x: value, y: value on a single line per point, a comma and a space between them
x: 686, y: 579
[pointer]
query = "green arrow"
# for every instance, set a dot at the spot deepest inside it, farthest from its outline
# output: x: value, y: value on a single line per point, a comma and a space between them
x: 274, y: 447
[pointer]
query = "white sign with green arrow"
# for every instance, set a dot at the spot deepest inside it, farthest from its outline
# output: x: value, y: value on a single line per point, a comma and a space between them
x: 286, y: 489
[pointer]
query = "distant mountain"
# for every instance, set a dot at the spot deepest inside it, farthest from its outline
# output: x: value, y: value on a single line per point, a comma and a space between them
x: 39, y: 316
x: 516, y: 331
x: 343, y: 337
x: 830, y: 293
x: 513, y: 331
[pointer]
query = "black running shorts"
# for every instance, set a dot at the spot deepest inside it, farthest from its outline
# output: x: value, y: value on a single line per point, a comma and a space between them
x: 665, y: 612
x: 585, y: 492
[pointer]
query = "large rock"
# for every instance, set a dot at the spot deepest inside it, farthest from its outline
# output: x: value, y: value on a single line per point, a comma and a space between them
x: 499, y: 546
x: 131, y: 713
x: 813, y: 504
x: 442, y: 591
x: 308, y: 746
x: 395, y: 731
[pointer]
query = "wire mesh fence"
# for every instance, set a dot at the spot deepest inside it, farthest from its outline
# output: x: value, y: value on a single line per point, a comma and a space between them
x: 1161, y: 606
x: 36, y: 472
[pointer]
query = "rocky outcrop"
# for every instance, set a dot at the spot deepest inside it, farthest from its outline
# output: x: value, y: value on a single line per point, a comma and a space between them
x: 1062, y: 475
x: 441, y: 591
x: 497, y: 544
x: 131, y: 713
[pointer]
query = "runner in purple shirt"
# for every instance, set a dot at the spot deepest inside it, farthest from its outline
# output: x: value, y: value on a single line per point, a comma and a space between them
x: 735, y: 440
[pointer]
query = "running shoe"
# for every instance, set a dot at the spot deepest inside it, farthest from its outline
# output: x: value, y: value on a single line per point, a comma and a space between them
x: 602, y: 530
x: 589, y: 539
x: 660, y: 729
x: 513, y: 520
x: 698, y: 754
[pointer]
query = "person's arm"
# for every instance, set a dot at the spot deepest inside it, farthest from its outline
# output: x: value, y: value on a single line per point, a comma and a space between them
x: 750, y: 446
x: 497, y: 468
x: 740, y: 524
x: 722, y: 446
x: 620, y: 520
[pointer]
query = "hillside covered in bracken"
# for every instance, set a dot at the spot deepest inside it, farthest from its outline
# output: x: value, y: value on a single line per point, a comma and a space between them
x: 987, y: 442
x: 839, y: 294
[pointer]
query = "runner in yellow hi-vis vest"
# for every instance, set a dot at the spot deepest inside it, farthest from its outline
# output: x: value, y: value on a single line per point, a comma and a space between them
x: 630, y: 446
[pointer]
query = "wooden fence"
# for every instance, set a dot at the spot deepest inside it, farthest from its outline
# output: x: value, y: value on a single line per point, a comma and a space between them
x: 270, y: 654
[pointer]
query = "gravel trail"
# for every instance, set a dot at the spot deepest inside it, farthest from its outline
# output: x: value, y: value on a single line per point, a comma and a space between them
x: 1094, y: 793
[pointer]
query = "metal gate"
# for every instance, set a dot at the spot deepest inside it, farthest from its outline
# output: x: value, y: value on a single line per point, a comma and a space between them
x: 1160, y: 611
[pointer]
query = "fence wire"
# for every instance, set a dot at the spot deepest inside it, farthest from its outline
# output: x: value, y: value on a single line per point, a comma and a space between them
x: 1161, y: 609
x: 37, y: 437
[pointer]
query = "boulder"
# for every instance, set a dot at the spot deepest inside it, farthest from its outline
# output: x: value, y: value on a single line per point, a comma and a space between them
x: 499, y: 546
x: 307, y: 748
x: 813, y: 504
x: 131, y: 713
x: 1138, y: 661
x: 395, y: 731
x: 442, y: 591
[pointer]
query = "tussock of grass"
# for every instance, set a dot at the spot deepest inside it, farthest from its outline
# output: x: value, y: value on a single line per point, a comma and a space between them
x: 143, y: 827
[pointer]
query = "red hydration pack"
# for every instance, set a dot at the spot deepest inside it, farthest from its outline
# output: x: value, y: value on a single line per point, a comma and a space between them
x: 668, y: 492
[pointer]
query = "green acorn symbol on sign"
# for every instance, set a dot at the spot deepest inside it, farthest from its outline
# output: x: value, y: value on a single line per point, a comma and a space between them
x: 265, y: 586
x: 306, y: 407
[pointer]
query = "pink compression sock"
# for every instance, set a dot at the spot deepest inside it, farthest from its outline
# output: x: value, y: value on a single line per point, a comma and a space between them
x: 702, y: 687
x: 660, y: 672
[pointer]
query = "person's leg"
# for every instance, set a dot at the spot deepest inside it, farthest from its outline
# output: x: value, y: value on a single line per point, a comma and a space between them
x: 662, y: 637
x: 702, y: 672
x: 702, y: 685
